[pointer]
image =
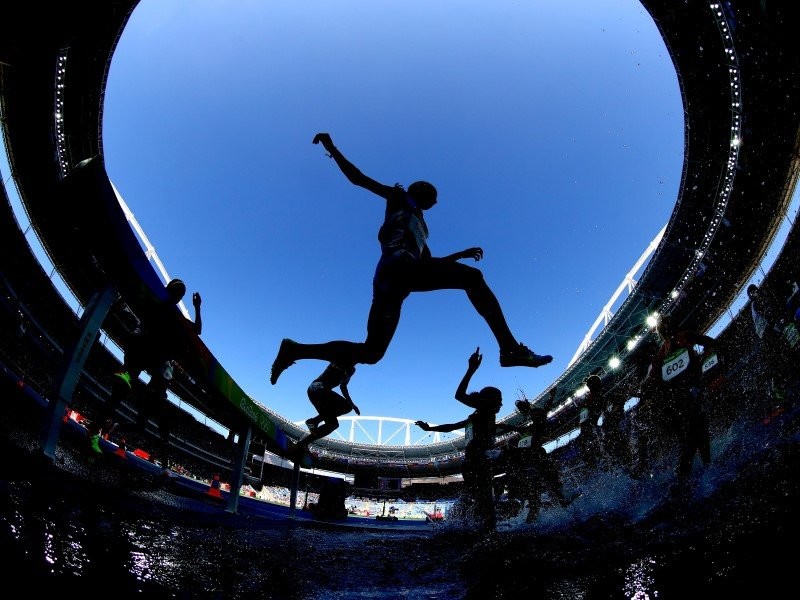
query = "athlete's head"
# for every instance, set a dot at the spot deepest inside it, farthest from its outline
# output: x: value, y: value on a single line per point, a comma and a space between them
x: 176, y: 290
x: 523, y: 406
x: 423, y: 194
x: 493, y: 396
x: 535, y: 414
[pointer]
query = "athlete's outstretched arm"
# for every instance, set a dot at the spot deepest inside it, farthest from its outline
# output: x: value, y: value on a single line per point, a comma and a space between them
x: 353, y: 174
x: 444, y: 428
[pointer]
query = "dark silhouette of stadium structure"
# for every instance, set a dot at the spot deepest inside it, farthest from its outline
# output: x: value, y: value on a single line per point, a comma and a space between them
x: 739, y: 79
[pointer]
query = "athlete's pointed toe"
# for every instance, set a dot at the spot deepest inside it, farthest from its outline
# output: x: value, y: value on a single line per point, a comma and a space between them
x: 283, y: 360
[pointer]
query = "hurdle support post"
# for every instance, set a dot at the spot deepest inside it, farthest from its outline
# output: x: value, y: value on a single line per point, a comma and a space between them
x: 72, y: 366
x: 295, y: 485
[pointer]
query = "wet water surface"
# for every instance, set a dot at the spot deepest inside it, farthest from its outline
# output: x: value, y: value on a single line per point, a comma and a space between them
x: 733, y: 533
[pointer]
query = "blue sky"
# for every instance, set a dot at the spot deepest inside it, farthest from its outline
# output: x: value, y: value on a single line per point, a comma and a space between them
x: 552, y: 130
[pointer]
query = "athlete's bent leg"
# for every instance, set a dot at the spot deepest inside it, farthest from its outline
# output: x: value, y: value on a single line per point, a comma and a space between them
x: 440, y: 274
x: 384, y: 316
x: 339, y: 352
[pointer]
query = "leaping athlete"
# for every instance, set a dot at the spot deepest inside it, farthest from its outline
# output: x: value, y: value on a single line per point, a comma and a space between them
x: 406, y: 265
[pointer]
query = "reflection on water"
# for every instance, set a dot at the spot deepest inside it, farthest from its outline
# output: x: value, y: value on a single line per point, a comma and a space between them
x: 60, y: 539
x: 82, y: 540
x: 639, y: 578
x: 622, y: 538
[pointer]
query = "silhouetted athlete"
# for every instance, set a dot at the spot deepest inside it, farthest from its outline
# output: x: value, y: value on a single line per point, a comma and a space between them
x: 678, y: 367
x: 328, y: 403
x: 479, y: 430
x: 152, y: 348
x: 531, y: 471
x: 589, y: 439
x: 406, y: 266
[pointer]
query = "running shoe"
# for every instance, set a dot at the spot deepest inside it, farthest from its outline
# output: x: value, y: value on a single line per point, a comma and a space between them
x: 283, y: 360
x: 522, y: 356
x: 312, y: 427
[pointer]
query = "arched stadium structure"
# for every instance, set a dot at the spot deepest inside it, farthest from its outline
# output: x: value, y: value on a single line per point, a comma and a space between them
x: 737, y: 66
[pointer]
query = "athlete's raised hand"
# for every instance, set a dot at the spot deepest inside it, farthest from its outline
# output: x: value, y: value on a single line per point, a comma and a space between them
x: 475, y: 359
x: 324, y: 139
x: 474, y: 253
